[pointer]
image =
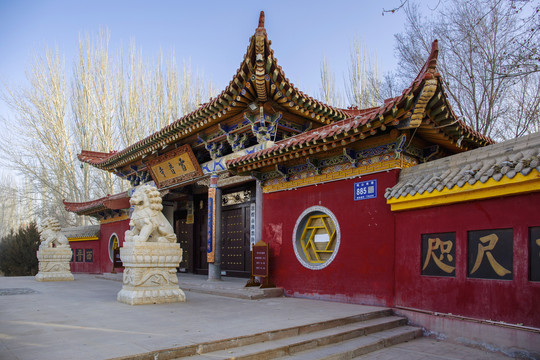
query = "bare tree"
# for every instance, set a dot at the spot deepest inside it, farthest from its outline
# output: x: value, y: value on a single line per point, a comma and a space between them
x: 94, y: 104
x: 194, y: 91
x: 363, y: 84
x: 475, y: 39
x: 523, y: 108
x: 328, y: 92
x: 134, y: 119
x: 113, y: 104
x: 41, y: 147
x: 9, y: 207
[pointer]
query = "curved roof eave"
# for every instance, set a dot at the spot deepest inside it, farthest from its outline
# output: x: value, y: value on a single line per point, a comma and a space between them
x: 258, y: 79
x: 365, y: 124
x: 110, y: 202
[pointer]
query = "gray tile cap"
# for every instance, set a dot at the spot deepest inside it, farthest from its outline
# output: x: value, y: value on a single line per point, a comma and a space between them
x: 81, y: 231
x: 506, y: 159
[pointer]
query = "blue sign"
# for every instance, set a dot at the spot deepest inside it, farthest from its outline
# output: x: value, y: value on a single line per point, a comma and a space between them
x: 210, y: 237
x: 365, y: 190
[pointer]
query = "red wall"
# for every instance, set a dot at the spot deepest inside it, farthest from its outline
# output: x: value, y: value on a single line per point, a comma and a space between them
x: 86, y: 267
x: 363, y: 269
x: 499, y: 300
x: 101, y: 262
x: 119, y: 228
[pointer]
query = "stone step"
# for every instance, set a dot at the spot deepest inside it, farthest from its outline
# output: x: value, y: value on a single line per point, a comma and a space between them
x: 287, y: 332
x: 228, y: 287
x: 308, y: 338
x: 221, y: 289
x: 353, y: 348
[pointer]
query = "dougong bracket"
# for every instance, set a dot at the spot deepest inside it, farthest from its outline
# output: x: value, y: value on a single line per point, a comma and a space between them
x: 264, y: 127
x: 314, y: 164
x: 350, y: 155
x: 282, y: 170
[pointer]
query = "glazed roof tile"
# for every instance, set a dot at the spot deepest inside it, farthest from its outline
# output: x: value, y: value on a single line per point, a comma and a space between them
x: 498, y: 161
x: 365, y: 121
x: 259, y: 77
x: 109, y: 202
x: 95, y: 156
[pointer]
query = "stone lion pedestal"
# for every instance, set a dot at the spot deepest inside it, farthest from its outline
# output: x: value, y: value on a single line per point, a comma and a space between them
x: 150, y: 273
x: 54, y: 264
x: 54, y: 253
x: 150, y: 253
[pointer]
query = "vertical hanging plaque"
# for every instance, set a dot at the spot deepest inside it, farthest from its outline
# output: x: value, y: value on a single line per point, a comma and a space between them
x: 211, y: 237
x: 251, y: 226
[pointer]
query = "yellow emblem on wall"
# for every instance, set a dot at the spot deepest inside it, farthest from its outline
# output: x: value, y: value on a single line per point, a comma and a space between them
x: 318, y: 238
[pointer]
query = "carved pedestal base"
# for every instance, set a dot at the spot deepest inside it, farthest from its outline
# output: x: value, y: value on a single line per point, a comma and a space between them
x: 54, y: 264
x: 150, y: 273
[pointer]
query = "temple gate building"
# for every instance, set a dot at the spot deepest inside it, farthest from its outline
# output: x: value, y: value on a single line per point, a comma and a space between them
x: 401, y: 205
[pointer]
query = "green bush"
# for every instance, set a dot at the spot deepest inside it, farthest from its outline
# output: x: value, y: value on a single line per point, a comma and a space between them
x: 18, y: 252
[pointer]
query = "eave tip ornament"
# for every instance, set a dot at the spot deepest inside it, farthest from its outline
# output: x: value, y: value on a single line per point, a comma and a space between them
x: 261, y: 21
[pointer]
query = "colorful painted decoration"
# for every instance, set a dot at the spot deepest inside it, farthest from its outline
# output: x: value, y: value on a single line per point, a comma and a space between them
x: 263, y: 126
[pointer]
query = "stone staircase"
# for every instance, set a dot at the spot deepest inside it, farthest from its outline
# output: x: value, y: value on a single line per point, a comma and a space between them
x: 343, y: 338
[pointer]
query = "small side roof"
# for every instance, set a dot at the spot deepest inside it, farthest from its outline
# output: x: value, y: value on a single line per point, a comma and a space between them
x: 110, y: 202
x: 90, y: 231
x: 504, y: 162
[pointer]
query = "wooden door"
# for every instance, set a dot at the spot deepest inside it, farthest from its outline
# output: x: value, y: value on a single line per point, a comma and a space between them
x: 235, y: 246
x: 184, y: 236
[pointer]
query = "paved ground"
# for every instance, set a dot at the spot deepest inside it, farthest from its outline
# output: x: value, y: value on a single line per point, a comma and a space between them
x: 82, y: 319
x: 430, y: 349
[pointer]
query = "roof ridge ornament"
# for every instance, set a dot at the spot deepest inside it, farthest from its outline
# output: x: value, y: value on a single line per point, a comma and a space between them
x: 261, y: 81
x: 261, y: 21
x: 429, y: 69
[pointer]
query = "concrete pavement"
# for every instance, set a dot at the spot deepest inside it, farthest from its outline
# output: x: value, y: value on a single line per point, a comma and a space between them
x: 82, y: 319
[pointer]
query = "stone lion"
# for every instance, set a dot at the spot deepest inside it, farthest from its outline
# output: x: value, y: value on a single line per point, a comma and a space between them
x: 147, y: 221
x: 51, y: 236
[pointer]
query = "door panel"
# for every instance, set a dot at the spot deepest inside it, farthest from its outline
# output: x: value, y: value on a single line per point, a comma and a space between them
x: 236, y: 255
x: 184, y: 235
x: 235, y: 246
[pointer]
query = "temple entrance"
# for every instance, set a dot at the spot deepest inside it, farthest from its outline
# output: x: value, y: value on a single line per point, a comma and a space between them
x: 236, y: 220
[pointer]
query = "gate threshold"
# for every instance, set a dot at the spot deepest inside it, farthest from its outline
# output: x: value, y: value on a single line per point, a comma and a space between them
x: 227, y: 286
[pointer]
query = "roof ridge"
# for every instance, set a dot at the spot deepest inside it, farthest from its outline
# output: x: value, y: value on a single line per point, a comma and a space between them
x: 430, y: 65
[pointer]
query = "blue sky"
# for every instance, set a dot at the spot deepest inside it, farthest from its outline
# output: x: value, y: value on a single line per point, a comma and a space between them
x: 213, y: 35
